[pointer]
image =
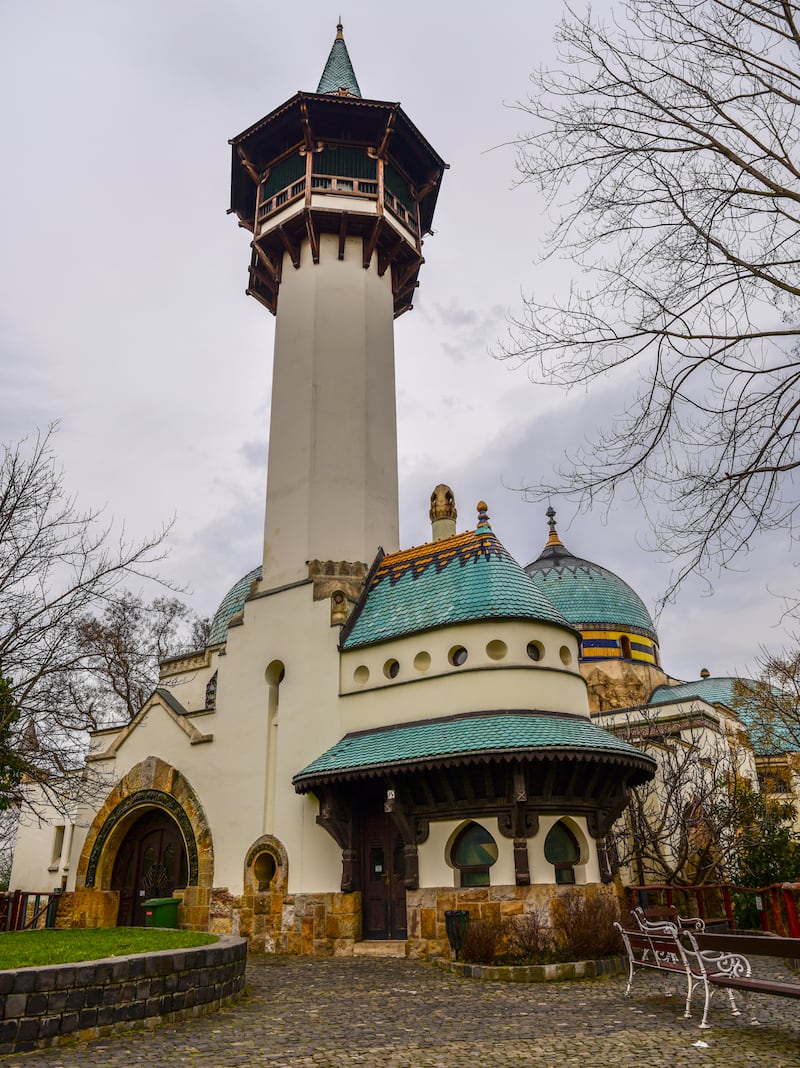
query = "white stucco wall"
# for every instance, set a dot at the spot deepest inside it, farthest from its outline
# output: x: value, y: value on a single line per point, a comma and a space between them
x: 332, y: 474
x: 483, y: 682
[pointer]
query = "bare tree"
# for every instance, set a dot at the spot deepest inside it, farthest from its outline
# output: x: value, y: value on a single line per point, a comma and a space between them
x: 770, y: 705
x: 58, y: 563
x: 122, y: 648
x: 668, y: 144
x: 668, y: 833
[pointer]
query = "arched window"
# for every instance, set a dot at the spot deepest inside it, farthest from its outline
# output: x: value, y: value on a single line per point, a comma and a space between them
x: 473, y: 852
x: 562, y: 851
x: 211, y: 692
x: 625, y: 647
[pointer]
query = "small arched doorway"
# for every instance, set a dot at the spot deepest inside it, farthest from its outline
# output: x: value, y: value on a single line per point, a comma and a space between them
x: 150, y: 862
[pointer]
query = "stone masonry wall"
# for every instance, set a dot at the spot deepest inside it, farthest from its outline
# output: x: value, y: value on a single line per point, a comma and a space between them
x: 427, y: 935
x: 322, y: 925
x: 44, y: 1007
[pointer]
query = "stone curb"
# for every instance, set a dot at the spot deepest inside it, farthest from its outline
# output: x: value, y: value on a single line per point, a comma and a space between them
x: 537, y: 973
x: 48, y: 1006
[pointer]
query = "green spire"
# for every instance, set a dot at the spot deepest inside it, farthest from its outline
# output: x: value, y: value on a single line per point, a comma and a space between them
x: 339, y: 78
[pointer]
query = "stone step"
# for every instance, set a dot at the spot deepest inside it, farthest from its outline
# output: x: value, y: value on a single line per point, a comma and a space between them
x: 375, y: 948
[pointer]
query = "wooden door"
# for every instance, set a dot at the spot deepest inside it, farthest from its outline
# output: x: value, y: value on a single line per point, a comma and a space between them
x: 151, y: 862
x: 383, y: 893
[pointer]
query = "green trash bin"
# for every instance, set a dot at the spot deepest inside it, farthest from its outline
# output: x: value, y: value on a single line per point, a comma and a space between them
x: 161, y: 912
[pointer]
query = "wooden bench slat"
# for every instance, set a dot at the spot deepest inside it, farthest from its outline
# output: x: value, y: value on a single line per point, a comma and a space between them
x: 756, y: 985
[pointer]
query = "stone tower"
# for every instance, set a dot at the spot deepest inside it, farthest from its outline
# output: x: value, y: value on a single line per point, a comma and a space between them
x: 337, y: 192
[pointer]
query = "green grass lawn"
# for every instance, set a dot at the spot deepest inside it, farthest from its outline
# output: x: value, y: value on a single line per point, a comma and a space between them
x: 25, y: 949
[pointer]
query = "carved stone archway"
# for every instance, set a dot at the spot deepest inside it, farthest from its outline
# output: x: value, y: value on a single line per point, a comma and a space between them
x: 152, y: 784
x: 262, y: 913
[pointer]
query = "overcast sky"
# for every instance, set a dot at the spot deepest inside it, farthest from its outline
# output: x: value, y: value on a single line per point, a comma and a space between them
x: 123, y: 312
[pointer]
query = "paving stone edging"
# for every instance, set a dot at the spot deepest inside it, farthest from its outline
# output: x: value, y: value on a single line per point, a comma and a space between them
x: 42, y: 1007
x: 537, y: 973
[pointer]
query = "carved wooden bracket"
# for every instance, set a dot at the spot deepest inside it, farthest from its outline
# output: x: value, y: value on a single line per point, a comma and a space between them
x: 336, y: 816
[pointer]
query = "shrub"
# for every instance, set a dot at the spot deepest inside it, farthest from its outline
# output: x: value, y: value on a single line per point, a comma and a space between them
x: 530, y: 940
x: 583, y: 925
x: 484, y: 941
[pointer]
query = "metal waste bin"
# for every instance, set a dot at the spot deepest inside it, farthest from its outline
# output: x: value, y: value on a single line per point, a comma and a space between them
x: 455, y: 923
x: 161, y: 912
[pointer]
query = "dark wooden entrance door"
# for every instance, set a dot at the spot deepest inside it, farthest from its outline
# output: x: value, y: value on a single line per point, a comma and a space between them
x: 383, y: 893
x: 151, y: 862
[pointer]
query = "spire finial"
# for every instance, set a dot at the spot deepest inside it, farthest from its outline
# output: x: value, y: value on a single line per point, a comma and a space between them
x: 483, y: 517
x: 338, y: 77
x: 553, y: 538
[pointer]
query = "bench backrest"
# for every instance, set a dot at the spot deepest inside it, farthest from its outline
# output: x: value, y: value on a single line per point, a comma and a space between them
x: 662, y: 945
x: 654, y: 920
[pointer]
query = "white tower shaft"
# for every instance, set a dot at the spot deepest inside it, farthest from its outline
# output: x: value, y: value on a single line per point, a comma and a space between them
x: 332, y: 473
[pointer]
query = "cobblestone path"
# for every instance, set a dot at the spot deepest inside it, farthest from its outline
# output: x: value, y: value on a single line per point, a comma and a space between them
x: 312, y: 1013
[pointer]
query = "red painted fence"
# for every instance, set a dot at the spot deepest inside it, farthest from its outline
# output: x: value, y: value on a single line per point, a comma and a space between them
x: 773, y: 908
x: 23, y: 911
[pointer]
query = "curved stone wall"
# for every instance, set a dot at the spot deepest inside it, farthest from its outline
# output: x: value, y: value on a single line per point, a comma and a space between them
x: 47, y: 1006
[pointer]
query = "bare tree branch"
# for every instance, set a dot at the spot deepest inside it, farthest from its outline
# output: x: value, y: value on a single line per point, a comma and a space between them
x: 59, y: 565
x: 668, y: 145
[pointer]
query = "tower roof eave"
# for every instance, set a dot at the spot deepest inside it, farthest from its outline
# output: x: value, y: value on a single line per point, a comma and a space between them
x: 318, y: 117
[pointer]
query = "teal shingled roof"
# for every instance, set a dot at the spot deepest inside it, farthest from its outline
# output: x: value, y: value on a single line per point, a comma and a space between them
x: 489, y: 734
x: 768, y: 733
x: 339, y: 73
x: 466, y: 578
x: 231, y: 603
x: 586, y: 594
x: 719, y: 691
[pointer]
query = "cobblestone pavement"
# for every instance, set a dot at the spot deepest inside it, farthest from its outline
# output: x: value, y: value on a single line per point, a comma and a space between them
x: 312, y: 1013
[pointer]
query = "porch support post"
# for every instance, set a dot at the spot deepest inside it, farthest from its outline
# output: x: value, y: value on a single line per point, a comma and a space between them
x: 403, y: 819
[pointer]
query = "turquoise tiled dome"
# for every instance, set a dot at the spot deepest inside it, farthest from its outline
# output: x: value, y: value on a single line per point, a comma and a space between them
x: 231, y: 603
x: 587, y: 595
x: 466, y: 578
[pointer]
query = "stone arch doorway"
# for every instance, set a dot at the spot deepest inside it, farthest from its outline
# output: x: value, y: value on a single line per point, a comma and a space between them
x: 151, y: 862
x: 153, y: 786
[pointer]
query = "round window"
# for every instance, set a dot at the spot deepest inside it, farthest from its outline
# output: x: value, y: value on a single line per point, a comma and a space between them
x: 535, y: 650
x: 566, y: 656
x: 422, y: 661
x: 497, y: 650
x: 391, y: 669
x: 458, y: 655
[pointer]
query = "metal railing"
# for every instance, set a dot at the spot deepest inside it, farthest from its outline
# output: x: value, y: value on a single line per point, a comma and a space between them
x: 771, y: 908
x: 21, y: 910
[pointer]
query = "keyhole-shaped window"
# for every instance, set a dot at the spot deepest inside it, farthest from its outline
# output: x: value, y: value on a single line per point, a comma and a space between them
x: 473, y: 852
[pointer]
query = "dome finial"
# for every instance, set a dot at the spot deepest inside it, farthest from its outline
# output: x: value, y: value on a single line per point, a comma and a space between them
x: 443, y: 513
x: 483, y: 517
x: 339, y: 30
x: 553, y: 538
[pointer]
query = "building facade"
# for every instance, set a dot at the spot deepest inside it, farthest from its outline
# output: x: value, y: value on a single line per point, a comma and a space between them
x: 373, y: 735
